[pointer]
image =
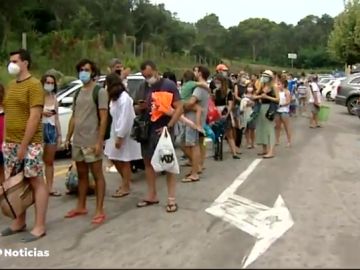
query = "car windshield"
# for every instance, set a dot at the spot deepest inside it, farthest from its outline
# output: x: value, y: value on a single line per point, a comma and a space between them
x: 65, y: 88
x: 133, y: 85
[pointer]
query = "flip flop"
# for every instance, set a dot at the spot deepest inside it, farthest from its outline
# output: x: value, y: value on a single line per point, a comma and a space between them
x: 120, y: 194
x: 188, y: 179
x: 268, y: 157
x: 55, y: 194
x: 75, y: 213
x: 146, y: 203
x: 8, y: 231
x: 172, y: 208
x: 99, y: 219
x: 31, y: 238
x: 261, y: 154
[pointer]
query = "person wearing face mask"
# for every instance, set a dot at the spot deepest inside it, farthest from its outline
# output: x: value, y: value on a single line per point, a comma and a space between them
x: 88, y: 124
x: 246, y: 107
x: 116, y: 66
x: 147, y: 107
x: 23, y: 107
x: 265, y: 128
x: 51, y: 130
x: 222, y: 70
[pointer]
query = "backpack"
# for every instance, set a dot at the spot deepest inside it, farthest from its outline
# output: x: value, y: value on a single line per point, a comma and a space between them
x: 96, y: 101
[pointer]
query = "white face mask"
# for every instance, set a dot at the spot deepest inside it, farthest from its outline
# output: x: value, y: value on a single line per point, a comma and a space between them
x: 48, y: 87
x: 13, y: 69
x: 152, y: 80
x: 218, y: 85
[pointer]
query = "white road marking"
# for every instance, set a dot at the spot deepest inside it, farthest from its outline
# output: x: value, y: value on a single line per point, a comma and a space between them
x: 262, y: 222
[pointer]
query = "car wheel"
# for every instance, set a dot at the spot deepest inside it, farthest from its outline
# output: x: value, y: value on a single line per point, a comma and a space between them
x: 328, y: 96
x: 351, y: 104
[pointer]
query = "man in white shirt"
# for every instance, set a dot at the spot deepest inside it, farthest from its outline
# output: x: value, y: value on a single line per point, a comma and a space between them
x: 314, y: 102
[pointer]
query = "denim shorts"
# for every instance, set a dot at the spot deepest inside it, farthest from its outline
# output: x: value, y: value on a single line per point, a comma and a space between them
x: 283, y: 114
x: 50, y: 134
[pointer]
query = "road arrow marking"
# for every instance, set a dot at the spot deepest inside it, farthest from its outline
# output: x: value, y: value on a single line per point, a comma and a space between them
x: 279, y: 221
x: 262, y: 222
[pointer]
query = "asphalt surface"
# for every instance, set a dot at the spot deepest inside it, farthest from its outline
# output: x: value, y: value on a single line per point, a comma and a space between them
x: 317, y: 178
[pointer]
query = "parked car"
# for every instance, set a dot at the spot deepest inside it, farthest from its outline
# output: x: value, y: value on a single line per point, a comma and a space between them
x: 323, y: 82
x: 348, y: 92
x: 326, y: 92
x: 334, y: 87
x: 65, y: 98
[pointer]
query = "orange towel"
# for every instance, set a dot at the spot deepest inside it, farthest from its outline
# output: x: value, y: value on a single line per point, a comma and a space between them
x: 160, y: 104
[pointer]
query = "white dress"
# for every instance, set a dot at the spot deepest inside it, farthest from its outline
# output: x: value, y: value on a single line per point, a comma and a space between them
x: 123, y: 114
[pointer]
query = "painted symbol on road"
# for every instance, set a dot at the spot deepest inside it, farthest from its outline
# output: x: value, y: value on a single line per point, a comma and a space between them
x: 262, y: 222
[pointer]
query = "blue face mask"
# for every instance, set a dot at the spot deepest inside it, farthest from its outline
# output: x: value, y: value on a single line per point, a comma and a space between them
x: 84, y: 76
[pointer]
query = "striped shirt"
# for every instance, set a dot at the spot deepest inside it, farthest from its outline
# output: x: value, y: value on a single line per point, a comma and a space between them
x: 20, y: 97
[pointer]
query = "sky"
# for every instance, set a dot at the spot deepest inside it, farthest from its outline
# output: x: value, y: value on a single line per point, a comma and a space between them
x: 231, y: 12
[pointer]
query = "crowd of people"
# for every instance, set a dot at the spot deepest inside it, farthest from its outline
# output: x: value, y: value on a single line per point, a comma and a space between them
x: 257, y: 107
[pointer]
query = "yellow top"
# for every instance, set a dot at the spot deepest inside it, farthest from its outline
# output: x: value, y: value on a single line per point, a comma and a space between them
x: 20, y: 97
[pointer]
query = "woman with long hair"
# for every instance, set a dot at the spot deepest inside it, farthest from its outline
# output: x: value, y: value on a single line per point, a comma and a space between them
x: 224, y: 100
x: 121, y: 148
x: 267, y: 96
x: 51, y: 129
x: 282, y: 117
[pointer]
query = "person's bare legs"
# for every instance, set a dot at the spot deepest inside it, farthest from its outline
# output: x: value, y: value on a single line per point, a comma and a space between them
x: 202, y: 153
x: 41, y: 204
x: 49, y: 157
x: 247, y: 137
x: 277, y: 129
x: 230, y: 137
x: 252, y: 137
x: 151, y: 181
x: 124, y: 169
x: 195, y: 161
x: 286, y: 123
x: 97, y: 172
x: 83, y: 176
x: 171, y: 185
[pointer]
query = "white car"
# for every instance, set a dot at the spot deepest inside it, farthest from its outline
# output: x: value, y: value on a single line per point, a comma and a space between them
x: 326, y: 92
x: 65, y: 98
x: 334, y: 87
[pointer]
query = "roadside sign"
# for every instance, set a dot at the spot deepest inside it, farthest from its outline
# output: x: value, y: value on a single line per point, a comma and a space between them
x: 292, y: 55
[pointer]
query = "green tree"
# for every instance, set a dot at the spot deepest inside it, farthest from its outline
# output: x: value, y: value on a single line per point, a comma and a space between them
x: 344, y: 41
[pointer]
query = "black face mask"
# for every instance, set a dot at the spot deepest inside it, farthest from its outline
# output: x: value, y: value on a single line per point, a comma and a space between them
x: 118, y: 72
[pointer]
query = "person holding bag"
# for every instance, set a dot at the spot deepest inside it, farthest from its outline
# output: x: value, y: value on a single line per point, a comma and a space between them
x: 23, y: 141
x: 265, y: 128
x: 158, y: 88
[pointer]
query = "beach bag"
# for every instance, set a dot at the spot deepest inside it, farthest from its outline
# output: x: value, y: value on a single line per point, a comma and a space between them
x: 16, y: 194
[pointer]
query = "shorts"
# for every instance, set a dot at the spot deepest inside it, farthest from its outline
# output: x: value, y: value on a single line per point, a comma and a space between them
x: 251, y: 124
x: 49, y: 133
x: 189, y: 136
x: 85, y: 154
x: 314, y: 109
x: 33, y: 162
x: 283, y: 114
x: 148, y: 148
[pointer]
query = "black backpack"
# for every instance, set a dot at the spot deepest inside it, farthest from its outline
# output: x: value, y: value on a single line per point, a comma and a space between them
x: 96, y: 101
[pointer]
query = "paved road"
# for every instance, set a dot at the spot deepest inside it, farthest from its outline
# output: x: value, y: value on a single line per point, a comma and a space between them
x: 317, y: 178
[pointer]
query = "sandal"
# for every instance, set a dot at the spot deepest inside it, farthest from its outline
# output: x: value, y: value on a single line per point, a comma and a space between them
x: 146, y: 203
x: 268, y: 157
x: 171, y: 207
x: 76, y: 213
x: 99, y: 219
x: 55, y: 194
x: 120, y: 194
x: 8, y: 231
x: 189, y: 179
x: 261, y: 154
x: 31, y: 238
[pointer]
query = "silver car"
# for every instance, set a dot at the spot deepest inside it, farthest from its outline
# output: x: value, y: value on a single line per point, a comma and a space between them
x: 348, y: 92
